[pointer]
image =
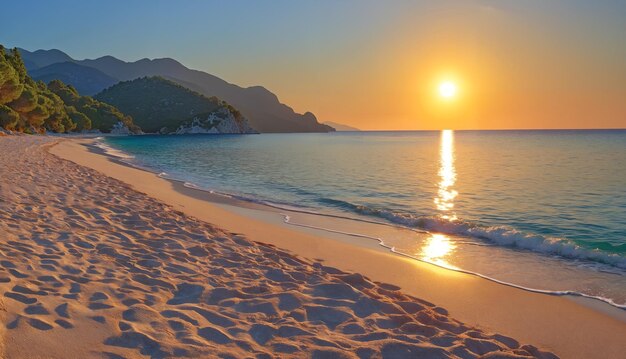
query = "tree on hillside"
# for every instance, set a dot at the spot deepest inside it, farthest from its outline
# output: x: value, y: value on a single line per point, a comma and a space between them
x: 10, y: 86
x: 66, y: 92
x: 102, y: 116
x: 81, y: 120
x: 8, y: 117
x: 29, y: 106
x: 18, y: 64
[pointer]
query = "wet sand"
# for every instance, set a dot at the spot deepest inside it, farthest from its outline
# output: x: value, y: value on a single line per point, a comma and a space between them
x: 565, y: 325
x: 126, y: 265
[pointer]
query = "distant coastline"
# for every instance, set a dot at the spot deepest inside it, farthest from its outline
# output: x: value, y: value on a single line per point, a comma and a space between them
x: 341, y: 127
x: 91, y: 76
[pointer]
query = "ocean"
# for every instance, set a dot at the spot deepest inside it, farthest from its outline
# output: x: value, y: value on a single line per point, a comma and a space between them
x: 540, y: 210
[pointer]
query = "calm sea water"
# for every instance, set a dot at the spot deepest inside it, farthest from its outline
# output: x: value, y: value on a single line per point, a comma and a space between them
x: 544, y: 210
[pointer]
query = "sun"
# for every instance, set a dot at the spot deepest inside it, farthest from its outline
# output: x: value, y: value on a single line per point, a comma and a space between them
x: 447, y: 89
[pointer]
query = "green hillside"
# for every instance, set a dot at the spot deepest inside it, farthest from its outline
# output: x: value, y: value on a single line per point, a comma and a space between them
x: 160, y: 105
x: 34, y: 107
x: 103, y: 116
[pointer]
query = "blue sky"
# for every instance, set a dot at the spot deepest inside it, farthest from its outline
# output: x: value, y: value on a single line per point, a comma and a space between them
x: 204, y: 33
x: 347, y: 60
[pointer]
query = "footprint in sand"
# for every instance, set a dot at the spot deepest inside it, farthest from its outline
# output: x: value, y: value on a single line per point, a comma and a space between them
x: 186, y: 293
x: 144, y: 343
x: 62, y: 310
x: 20, y: 298
x: 97, y: 301
x: 33, y: 322
x: 36, y: 309
x: 64, y: 323
x: 214, y: 335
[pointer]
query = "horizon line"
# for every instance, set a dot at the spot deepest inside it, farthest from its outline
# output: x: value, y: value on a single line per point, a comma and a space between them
x: 494, y: 129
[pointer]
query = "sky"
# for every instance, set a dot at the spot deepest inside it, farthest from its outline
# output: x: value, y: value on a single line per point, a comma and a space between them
x: 375, y: 65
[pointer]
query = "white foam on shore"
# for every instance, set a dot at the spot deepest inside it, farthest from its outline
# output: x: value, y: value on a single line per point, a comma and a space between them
x: 446, y: 227
x: 381, y: 242
x: 500, y: 236
x: 110, y: 150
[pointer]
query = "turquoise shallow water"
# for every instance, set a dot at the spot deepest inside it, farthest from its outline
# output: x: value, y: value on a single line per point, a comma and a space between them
x: 539, y: 209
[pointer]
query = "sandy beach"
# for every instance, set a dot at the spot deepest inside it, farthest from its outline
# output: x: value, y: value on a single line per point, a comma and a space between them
x: 325, y: 180
x: 114, y: 262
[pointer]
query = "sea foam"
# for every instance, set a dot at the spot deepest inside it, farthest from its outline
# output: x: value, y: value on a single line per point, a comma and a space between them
x: 499, y: 235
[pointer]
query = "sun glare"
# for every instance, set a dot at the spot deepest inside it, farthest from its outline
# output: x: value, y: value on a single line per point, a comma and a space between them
x: 437, y: 249
x: 447, y: 89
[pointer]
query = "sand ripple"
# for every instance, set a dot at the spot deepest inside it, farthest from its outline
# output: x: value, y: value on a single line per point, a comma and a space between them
x: 92, y: 268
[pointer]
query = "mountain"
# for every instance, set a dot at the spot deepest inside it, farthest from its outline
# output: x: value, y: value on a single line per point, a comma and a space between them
x: 259, y: 105
x: 160, y: 105
x: 103, y: 116
x: 86, y: 80
x: 32, y: 106
x: 262, y: 108
x: 341, y: 127
x: 42, y: 58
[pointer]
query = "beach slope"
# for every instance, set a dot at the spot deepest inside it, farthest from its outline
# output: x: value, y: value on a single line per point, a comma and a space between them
x: 90, y: 267
x: 572, y: 327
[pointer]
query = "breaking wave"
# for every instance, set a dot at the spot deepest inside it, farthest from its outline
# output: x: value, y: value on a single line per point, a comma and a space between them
x: 499, y: 235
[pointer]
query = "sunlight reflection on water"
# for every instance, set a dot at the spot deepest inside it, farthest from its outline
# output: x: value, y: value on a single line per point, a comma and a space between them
x: 436, y: 249
x: 447, y: 176
x: 439, y: 246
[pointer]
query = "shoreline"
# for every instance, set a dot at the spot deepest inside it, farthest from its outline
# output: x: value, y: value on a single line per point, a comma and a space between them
x: 558, y: 323
x: 91, y: 267
x: 235, y: 203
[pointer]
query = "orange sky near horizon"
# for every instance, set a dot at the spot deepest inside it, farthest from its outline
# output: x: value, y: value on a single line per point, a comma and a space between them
x: 509, y: 73
x: 371, y: 64
x: 514, y: 69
